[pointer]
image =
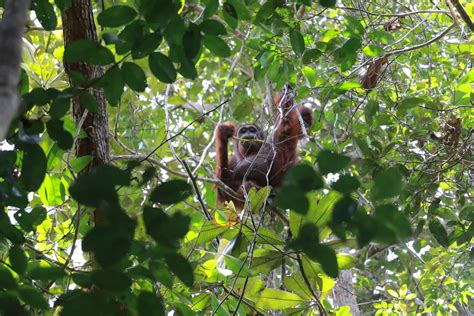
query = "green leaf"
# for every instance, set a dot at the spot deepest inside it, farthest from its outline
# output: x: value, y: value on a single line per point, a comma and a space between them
x: 63, y: 4
x: 46, y: 273
x: 60, y: 106
x: 116, y: 15
x: 6, y: 279
x: 80, y: 163
x: 273, y: 299
x: 88, y: 51
x: 211, y: 8
x: 331, y: 162
x: 237, y: 266
x: 304, y: 177
x: 134, y: 76
x: 328, y: 3
x: 88, y: 101
x: 93, y: 188
x: 32, y: 297
x: 192, y: 41
x: 373, y: 51
x: 113, y: 84
x: 266, y: 11
x: 311, y: 55
x: 171, y: 192
x: 371, y: 108
x: 242, y: 9
x: 346, y: 184
x: 147, y: 45
x: 33, y: 167
x: 165, y: 229
x: 18, y: 259
x: 56, y: 131
x: 45, y: 14
x: 148, y: 304
x: 295, y: 200
x: 439, y: 232
x: 216, y: 45
x: 181, y: 267
x: 347, y: 54
x: 387, y: 184
x: 162, y: 67
x: 409, y: 103
x: 353, y: 26
x: 212, y: 27
x: 382, y: 37
x: 297, y: 42
x: 345, y: 261
x: 111, y: 280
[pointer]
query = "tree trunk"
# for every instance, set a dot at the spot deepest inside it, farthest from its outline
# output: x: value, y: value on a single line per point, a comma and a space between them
x: 78, y: 24
x: 12, y: 26
x: 343, y: 292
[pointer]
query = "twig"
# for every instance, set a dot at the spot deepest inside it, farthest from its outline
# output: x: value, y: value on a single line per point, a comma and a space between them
x: 415, y: 47
x: 164, y: 141
x: 463, y: 14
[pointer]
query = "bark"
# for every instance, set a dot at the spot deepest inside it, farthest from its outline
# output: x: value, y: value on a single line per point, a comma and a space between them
x: 12, y: 26
x: 78, y: 23
x: 344, y: 294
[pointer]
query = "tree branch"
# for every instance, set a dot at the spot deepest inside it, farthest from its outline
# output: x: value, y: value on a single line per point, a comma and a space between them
x: 12, y: 26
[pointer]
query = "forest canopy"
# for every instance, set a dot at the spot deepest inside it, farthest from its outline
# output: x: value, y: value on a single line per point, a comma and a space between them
x: 108, y: 194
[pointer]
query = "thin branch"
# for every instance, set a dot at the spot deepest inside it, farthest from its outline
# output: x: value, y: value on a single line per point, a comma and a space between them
x: 415, y: 47
x: 164, y: 141
x: 463, y: 14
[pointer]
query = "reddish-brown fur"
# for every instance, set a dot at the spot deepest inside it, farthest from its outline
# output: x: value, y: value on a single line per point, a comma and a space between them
x: 266, y: 162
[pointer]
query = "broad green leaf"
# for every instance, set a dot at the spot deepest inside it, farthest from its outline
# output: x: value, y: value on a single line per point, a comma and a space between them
x: 88, y: 51
x: 56, y: 131
x: 345, y: 261
x: 297, y: 42
x: 353, y: 26
x: 162, y: 67
x: 192, y: 41
x: 439, y: 232
x: 149, y: 304
x: 45, y: 14
x: 330, y: 162
x: 373, y: 51
x: 387, y: 184
x: 33, y: 167
x: 216, y: 45
x: 273, y: 299
x: 32, y: 297
x: 238, y: 267
x: 165, y: 229
x: 18, y: 259
x: 116, y: 15
x: 113, y: 84
x: 328, y: 3
x: 212, y: 27
x: 311, y: 55
x: 88, y: 101
x: 211, y: 8
x: 63, y: 4
x: 171, y: 192
x: 7, y: 281
x: 46, y: 273
x: 346, y: 184
x: 80, y: 163
x: 147, y: 45
x: 304, y: 177
x: 111, y: 280
x: 181, y: 267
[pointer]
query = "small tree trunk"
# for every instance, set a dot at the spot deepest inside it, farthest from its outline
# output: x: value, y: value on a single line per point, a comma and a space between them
x: 12, y: 26
x: 78, y: 23
x: 343, y: 292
